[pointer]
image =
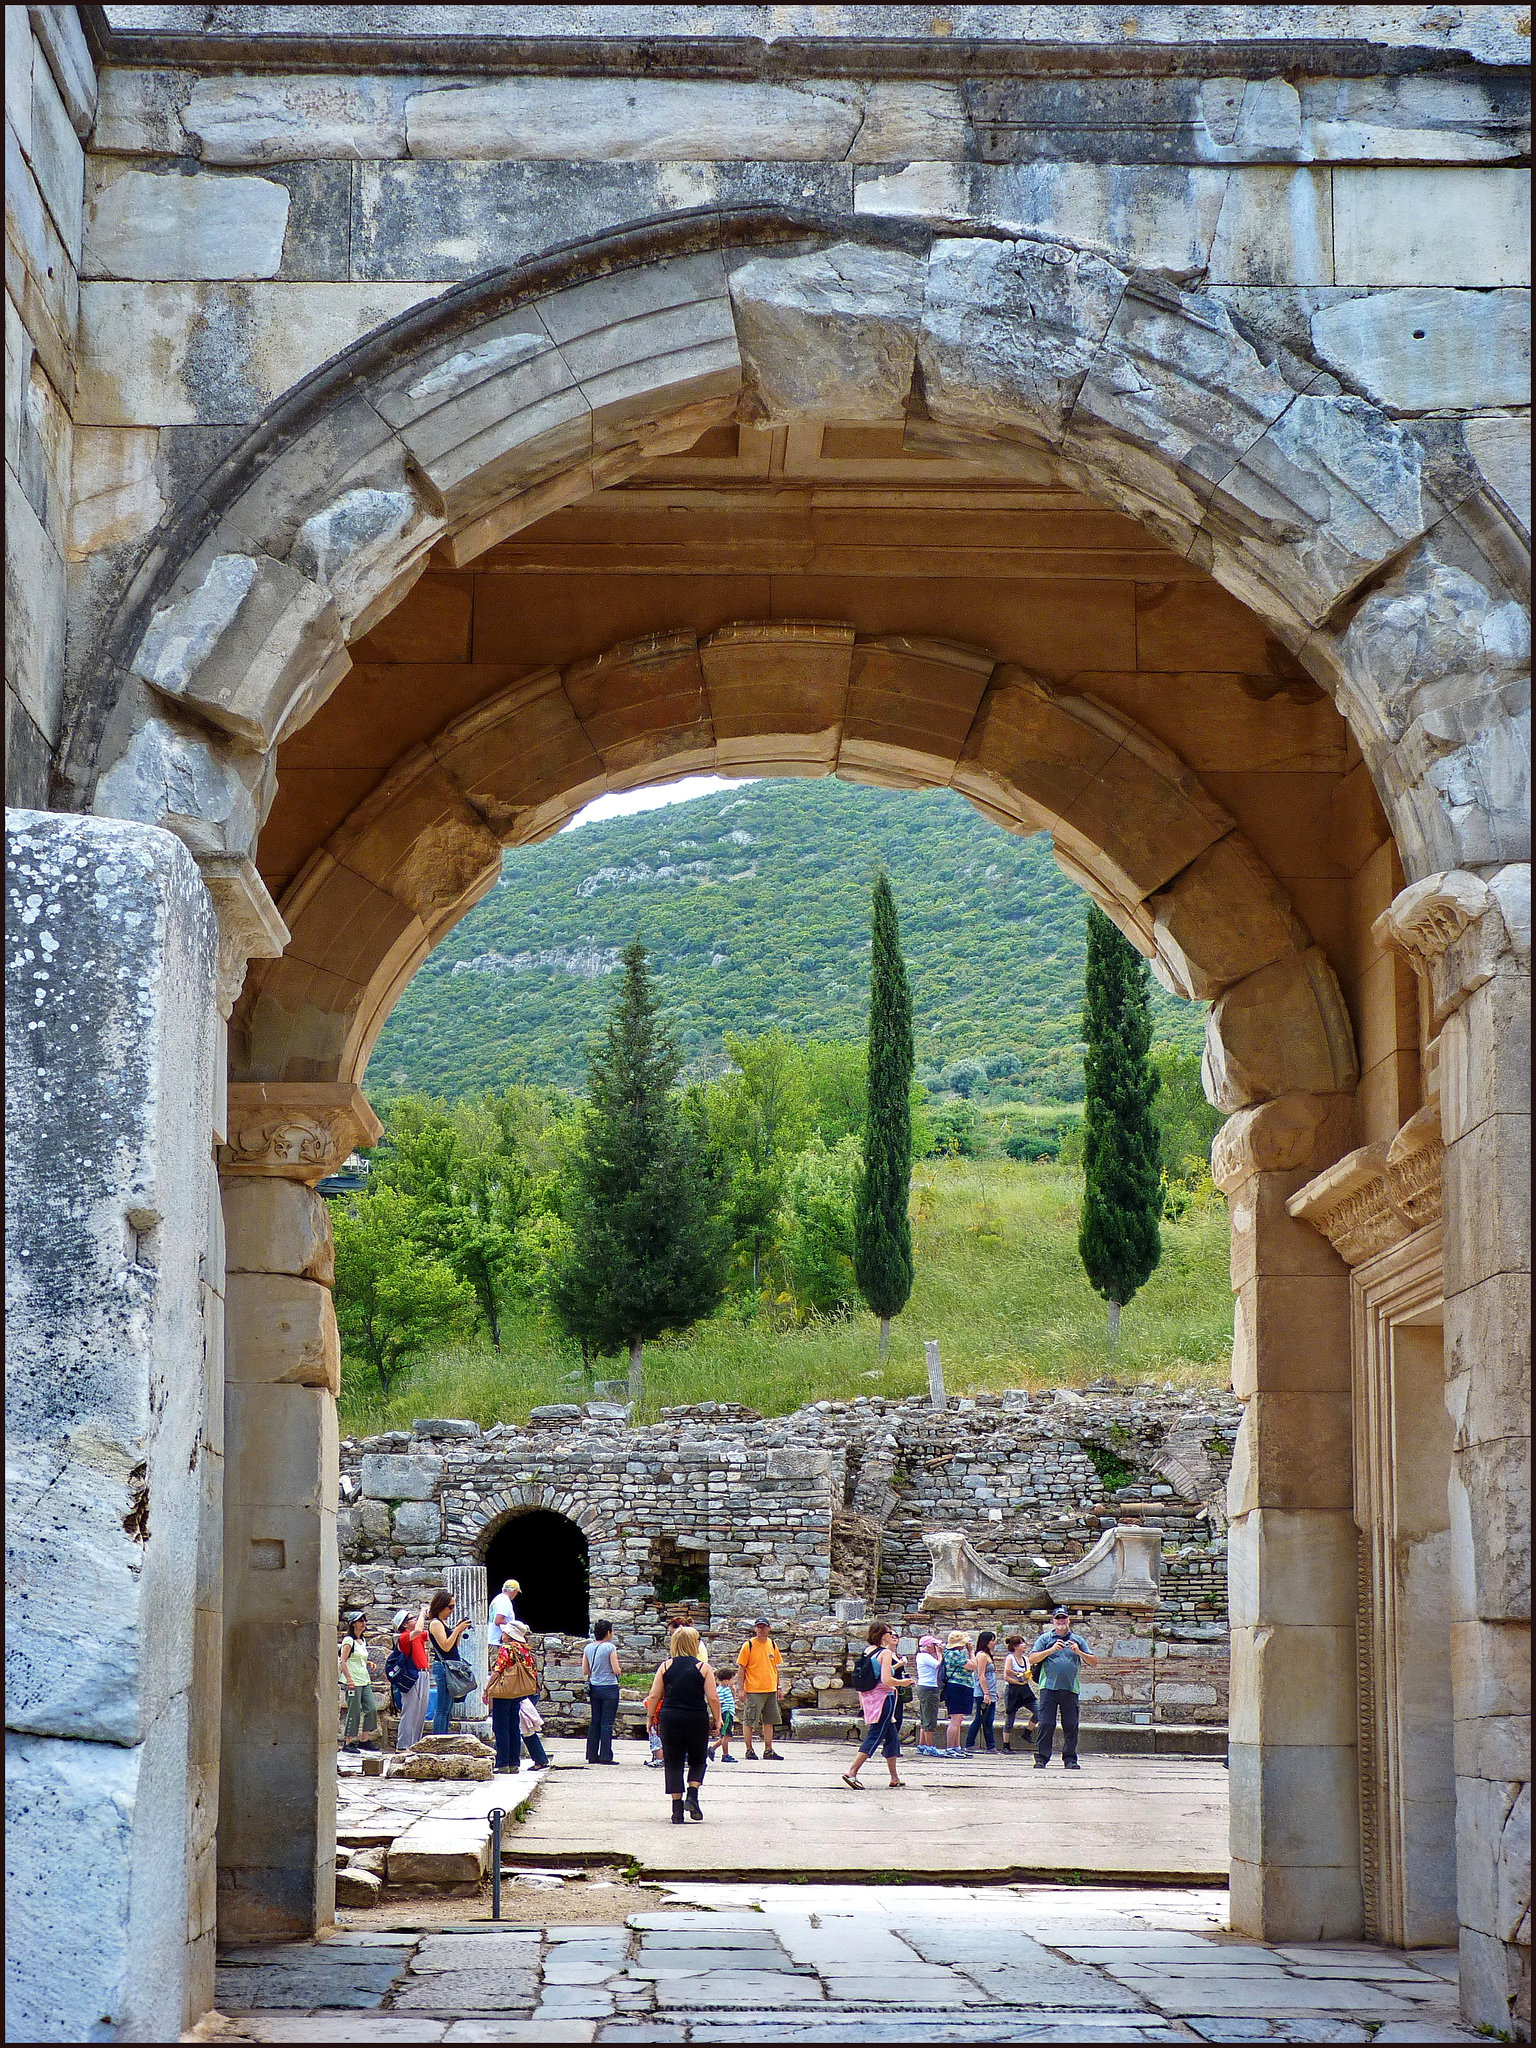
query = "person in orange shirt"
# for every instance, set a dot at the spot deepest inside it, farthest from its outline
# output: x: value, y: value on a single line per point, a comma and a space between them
x: 758, y: 1662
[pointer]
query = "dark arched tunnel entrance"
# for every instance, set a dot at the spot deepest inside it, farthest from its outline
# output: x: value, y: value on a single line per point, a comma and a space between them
x: 547, y: 1554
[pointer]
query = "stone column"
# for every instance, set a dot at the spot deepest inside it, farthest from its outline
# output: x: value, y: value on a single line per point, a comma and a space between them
x: 466, y: 1582
x: 1469, y: 937
x: 1291, y: 1542
x: 277, y: 1804
x: 112, y: 1337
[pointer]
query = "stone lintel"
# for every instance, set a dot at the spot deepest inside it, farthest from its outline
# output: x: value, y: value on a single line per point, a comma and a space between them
x: 1459, y: 930
x: 295, y: 1130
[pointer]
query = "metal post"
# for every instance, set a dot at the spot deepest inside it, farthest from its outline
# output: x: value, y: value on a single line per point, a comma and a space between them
x: 935, y: 1373
x: 497, y: 1816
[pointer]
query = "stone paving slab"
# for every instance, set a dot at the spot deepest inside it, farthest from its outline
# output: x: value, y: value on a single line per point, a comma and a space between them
x: 832, y: 1963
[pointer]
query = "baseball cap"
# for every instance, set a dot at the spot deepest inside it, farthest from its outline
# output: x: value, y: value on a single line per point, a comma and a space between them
x: 1061, y: 1614
x: 762, y: 1621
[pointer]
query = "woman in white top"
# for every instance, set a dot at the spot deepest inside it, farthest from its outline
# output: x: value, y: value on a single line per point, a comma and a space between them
x: 930, y: 1681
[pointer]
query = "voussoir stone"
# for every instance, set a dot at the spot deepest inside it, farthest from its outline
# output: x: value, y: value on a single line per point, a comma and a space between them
x: 1283, y: 1030
x: 831, y: 333
x: 1423, y: 348
x: 211, y: 794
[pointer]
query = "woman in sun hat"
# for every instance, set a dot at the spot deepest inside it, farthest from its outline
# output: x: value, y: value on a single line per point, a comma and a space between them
x: 926, y: 1692
x: 959, y: 1698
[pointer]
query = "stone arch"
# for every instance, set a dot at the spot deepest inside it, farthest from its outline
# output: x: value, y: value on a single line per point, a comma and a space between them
x: 1369, y: 545
x: 1127, y: 818
x: 548, y: 1548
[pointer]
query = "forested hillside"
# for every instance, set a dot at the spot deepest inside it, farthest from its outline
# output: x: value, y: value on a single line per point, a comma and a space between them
x: 754, y: 904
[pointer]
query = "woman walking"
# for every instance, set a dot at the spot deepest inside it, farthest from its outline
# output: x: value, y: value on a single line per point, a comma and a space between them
x: 1017, y: 1691
x: 413, y: 1709
x: 443, y: 1634
x: 879, y: 1702
x: 984, y: 1687
x: 684, y: 1703
x: 357, y: 1684
x: 959, y: 1699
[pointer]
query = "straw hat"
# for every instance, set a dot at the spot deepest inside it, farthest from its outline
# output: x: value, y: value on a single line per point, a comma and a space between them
x: 958, y: 1639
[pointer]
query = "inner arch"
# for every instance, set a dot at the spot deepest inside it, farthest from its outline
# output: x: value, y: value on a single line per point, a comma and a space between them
x: 547, y: 1554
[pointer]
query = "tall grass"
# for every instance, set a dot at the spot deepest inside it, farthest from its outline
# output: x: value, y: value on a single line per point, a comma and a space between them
x: 999, y: 1284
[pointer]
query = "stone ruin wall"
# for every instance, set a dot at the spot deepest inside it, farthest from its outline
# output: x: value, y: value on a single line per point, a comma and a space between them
x: 796, y: 1513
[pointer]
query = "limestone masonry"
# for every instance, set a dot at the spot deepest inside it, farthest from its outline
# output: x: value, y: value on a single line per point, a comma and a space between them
x: 816, y: 1520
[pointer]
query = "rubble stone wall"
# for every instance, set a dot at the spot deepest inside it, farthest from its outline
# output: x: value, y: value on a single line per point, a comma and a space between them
x: 793, y: 1512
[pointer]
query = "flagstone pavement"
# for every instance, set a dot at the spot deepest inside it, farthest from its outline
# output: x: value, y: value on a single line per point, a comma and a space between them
x: 828, y: 1963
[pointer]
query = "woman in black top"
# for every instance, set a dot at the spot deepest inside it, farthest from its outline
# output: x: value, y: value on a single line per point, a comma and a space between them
x: 684, y: 1703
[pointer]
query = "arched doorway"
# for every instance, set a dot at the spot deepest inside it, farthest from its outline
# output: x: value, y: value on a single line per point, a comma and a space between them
x: 547, y: 1554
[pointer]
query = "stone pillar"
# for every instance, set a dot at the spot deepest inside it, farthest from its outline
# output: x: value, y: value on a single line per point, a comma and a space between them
x: 1291, y: 1542
x: 1469, y: 937
x: 111, y: 1033
x: 466, y: 1582
x: 277, y: 1808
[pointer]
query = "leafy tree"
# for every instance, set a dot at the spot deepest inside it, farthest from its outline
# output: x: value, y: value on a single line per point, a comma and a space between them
x: 819, y: 1220
x: 1122, y: 1193
x: 956, y: 1132
x: 760, y: 1117
x: 883, y: 1232
x: 1186, y: 1122
x: 392, y: 1301
x: 645, y: 1252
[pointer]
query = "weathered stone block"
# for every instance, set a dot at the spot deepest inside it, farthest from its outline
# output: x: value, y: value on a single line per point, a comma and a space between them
x: 358, y: 1887
x: 1425, y: 348
x: 145, y: 224
x: 57, y: 160
x: 1293, y: 1451
x: 418, y: 1521
x: 687, y: 120
x: 282, y: 1332
x: 1486, y: 1177
x: 1296, y: 1685
x: 277, y: 1226
x: 386, y: 1477
x: 1223, y: 918
x: 1291, y: 1334
x: 1284, y: 1902
x: 1289, y: 1568
x: 1296, y: 1806
x: 212, y: 794
x: 115, y: 495
x: 1449, y: 225
x: 1275, y: 225
x: 35, y: 609
x: 262, y: 120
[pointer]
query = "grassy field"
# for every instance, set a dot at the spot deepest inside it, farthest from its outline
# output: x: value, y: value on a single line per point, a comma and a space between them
x: 999, y: 1283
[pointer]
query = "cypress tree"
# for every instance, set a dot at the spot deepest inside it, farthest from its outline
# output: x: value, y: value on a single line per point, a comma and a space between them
x: 645, y: 1253
x: 882, y: 1257
x: 1118, y: 1238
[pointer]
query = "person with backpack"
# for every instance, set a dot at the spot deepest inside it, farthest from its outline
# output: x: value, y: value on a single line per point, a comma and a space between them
x: 876, y: 1678
x: 444, y: 1635
x: 407, y: 1668
x: 959, y: 1698
x: 984, y: 1689
x: 758, y: 1661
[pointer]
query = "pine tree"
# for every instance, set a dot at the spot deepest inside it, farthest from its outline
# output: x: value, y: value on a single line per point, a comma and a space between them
x: 645, y: 1251
x: 882, y: 1257
x: 1122, y: 1191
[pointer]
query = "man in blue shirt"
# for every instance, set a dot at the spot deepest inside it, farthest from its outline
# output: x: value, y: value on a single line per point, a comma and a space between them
x: 1056, y: 1659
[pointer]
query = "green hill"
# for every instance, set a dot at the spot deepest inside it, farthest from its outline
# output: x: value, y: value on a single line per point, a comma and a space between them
x: 755, y: 905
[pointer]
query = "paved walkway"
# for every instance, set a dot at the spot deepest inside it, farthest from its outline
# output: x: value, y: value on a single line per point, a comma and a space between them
x: 847, y: 1963
x: 1153, y: 1820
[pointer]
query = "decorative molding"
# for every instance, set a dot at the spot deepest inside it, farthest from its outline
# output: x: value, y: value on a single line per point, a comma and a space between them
x: 1123, y: 1569
x: 1291, y: 1133
x: 961, y: 1579
x: 1378, y: 1195
x: 1460, y: 930
x: 295, y: 1130
x: 250, y: 925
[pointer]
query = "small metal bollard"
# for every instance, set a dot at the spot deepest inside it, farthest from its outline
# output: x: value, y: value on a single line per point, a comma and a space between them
x: 496, y: 1816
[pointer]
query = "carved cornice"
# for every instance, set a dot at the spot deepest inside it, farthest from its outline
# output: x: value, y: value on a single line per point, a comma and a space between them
x: 1378, y: 1195
x: 295, y: 1130
x: 250, y: 925
x: 1292, y: 1132
x: 1459, y: 931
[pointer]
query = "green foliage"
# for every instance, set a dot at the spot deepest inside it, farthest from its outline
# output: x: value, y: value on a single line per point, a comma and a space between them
x: 644, y: 1252
x: 1186, y: 1126
x: 1011, y: 1307
x: 819, y: 1221
x: 882, y: 1256
x: 1111, y: 1467
x: 955, y: 1132
x: 771, y: 929
x: 393, y: 1301
x: 1122, y: 1192
x: 759, y: 1115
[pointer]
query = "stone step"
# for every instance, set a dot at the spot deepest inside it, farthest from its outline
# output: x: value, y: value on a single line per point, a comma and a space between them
x: 1094, y: 1738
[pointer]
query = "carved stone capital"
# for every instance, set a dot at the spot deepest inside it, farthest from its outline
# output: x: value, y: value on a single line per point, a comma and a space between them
x: 250, y: 927
x: 1376, y: 1196
x: 1460, y: 930
x: 295, y: 1130
x: 1284, y: 1136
